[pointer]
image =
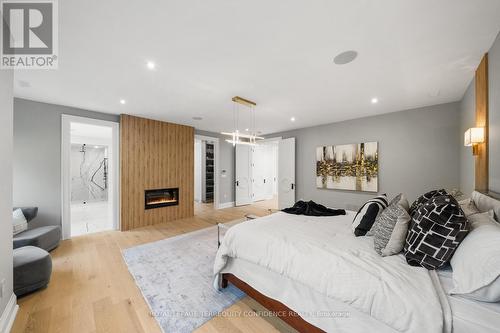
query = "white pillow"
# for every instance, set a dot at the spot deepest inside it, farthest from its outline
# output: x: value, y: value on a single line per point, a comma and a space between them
x: 469, y: 207
x: 19, y: 223
x: 485, y: 203
x: 476, y: 262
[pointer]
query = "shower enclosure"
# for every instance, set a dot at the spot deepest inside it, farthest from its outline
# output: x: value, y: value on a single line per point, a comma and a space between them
x: 89, y: 173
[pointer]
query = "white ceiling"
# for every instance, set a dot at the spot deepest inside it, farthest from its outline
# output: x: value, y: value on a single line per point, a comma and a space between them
x: 280, y: 54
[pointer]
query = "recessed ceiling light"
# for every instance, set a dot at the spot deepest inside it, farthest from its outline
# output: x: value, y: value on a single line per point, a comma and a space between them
x: 151, y: 65
x: 374, y: 100
x: 246, y: 129
x: 292, y: 119
x: 345, y: 57
x: 123, y: 102
x: 197, y: 118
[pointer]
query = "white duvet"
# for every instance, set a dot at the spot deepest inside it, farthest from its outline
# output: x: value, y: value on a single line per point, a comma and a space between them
x: 322, y: 253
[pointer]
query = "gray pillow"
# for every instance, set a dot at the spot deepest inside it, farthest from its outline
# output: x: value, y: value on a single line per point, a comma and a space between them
x: 391, y: 227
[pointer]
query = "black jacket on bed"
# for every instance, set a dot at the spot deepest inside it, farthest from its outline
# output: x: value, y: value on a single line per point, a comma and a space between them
x: 311, y: 208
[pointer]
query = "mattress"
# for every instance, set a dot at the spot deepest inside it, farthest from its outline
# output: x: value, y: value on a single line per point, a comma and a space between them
x: 321, y: 311
x: 335, y: 316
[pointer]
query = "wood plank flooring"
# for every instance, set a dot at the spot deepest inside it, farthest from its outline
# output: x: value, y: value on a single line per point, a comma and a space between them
x: 91, y: 289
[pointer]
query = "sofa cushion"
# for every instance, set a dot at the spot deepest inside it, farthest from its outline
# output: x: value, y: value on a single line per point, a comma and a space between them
x: 47, y: 238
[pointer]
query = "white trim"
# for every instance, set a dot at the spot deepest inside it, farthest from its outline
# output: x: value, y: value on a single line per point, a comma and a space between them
x: 216, y: 166
x: 226, y: 205
x: 114, y: 178
x: 9, y: 314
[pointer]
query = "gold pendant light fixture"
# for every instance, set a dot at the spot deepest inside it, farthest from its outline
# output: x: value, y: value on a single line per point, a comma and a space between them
x: 238, y: 138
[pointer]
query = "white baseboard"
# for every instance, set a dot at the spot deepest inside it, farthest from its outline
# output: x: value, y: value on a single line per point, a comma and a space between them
x: 226, y: 205
x: 9, y: 315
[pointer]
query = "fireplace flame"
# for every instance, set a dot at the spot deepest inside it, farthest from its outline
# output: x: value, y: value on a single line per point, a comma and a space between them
x: 160, y: 201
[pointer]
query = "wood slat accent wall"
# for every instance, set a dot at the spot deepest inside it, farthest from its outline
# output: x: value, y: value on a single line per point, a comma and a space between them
x: 481, y: 163
x: 154, y: 155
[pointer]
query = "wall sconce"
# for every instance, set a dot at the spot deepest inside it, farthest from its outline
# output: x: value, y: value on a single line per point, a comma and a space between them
x: 473, y: 137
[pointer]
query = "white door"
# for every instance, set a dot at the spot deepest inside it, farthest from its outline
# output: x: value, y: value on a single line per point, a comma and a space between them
x: 262, y: 172
x: 286, y: 173
x: 243, y: 175
x: 270, y: 166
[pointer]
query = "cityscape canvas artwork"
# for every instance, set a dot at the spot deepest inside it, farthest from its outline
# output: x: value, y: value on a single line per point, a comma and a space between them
x: 348, y: 167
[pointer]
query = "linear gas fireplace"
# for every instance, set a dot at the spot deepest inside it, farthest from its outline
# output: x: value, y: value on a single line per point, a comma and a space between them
x: 161, y: 198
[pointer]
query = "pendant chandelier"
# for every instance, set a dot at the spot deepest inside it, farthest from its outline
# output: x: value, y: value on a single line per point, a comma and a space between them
x: 249, y: 137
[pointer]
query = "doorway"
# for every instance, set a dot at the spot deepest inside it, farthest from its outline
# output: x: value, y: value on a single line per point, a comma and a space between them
x: 90, y: 176
x: 265, y: 173
x: 206, y: 154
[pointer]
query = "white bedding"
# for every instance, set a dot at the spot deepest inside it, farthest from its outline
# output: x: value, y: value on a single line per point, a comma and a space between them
x: 321, y: 311
x: 470, y: 315
x: 321, y: 253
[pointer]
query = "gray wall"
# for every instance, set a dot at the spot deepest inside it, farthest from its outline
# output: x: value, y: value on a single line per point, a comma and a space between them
x: 226, y: 152
x: 37, y: 156
x: 467, y: 120
x: 418, y: 151
x: 6, y: 86
x: 494, y: 115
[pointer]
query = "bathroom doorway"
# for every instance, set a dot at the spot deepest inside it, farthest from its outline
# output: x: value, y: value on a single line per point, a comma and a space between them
x: 89, y: 176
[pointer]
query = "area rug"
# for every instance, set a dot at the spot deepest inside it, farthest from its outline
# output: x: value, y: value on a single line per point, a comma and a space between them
x: 175, y: 276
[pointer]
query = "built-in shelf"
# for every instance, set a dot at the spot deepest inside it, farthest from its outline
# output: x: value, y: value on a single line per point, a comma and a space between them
x: 208, y: 172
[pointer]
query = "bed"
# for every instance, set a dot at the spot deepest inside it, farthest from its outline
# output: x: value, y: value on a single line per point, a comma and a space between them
x: 317, y: 276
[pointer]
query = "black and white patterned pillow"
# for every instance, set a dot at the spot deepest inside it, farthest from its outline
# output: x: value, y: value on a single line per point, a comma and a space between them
x: 421, y: 200
x: 364, y: 219
x: 437, y: 228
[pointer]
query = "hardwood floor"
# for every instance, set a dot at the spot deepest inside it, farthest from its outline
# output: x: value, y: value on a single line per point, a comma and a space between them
x: 91, y: 289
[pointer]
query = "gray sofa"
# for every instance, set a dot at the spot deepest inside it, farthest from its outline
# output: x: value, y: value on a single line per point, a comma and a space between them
x: 32, y: 261
x: 47, y: 237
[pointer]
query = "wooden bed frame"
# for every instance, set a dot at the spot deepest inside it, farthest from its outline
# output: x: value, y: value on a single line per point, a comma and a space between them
x: 283, y: 312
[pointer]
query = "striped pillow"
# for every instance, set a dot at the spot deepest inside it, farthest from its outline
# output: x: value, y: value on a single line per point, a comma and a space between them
x: 364, y: 219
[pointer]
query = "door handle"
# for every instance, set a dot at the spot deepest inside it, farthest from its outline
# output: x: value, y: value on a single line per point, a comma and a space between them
x: 293, y: 185
x: 237, y: 183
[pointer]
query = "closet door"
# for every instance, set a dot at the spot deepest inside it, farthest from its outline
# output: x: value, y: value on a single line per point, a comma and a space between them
x: 260, y: 166
x: 269, y: 171
x: 286, y: 173
x: 243, y: 186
